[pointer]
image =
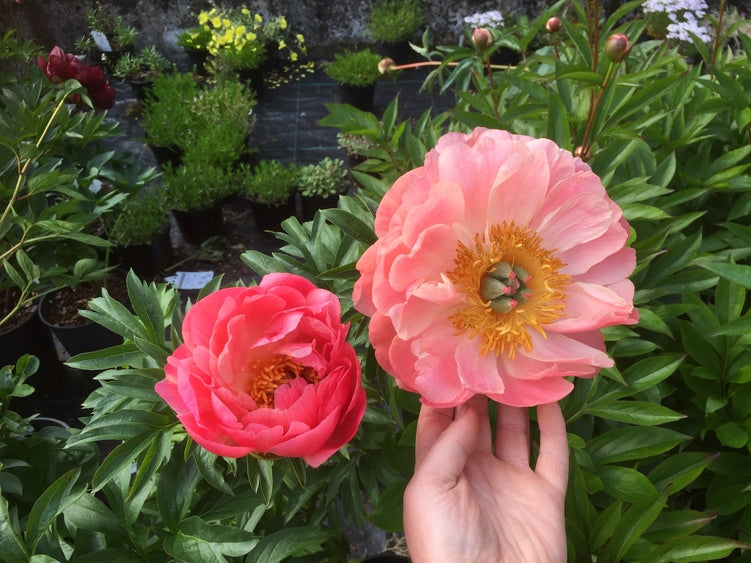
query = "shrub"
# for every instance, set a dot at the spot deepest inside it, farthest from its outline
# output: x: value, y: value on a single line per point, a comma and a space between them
x: 392, y: 21
x: 355, y: 68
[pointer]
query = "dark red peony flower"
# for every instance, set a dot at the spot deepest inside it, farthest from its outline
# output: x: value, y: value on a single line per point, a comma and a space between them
x: 63, y: 66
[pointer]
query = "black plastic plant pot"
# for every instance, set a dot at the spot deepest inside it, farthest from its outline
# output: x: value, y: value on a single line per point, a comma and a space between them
x: 148, y: 260
x: 79, y: 338
x: 198, y: 225
x: 270, y: 217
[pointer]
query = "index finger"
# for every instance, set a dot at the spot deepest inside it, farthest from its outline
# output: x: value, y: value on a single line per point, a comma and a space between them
x: 552, y: 463
x: 431, y: 423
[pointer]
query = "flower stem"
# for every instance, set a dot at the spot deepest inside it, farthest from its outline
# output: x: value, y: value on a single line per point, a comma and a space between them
x: 595, y: 106
x: 23, y: 168
x: 439, y: 63
x: 717, y: 34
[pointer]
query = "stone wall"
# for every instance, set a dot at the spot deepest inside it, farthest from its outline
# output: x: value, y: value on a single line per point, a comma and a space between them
x: 324, y: 23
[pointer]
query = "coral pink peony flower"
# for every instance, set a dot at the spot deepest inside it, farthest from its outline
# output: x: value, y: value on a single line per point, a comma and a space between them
x: 63, y: 66
x: 266, y: 370
x: 497, y: 262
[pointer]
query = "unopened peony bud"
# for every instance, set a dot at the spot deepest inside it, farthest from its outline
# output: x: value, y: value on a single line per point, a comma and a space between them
x: 553, y: 25
x: 385, y: 65
x: 582, y: 152
x: 482, y: 38
x: 617, y: 47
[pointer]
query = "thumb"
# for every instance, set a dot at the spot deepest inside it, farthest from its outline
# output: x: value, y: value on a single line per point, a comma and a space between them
x: 445, y: 461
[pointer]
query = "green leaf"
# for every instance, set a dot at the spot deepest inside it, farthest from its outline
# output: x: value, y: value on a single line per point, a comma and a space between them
x: 351, y: 225
x: 121, y: 355
x: 680, y: 470
x: 736, y: 273
x: 90, y: 513
x: 605, y: 524
x: 676, y: 524
x: 633, y: 524
x: 12, y: 546
x: 631, y: 443
x: 625, y: 482
x: 123, y: 456
x: 738, y: 327
x: 206, y: 463
x: 694, y: 548
x: 732, y: 434
x: 289, y: 542
x: 175, y: 489
x: 121, y: 425
x: 197, y: 540
x: 649, y: 372
x: 634, y: 412
x: 388, y: 510
x: 50, y: 505
x: 729, y: 299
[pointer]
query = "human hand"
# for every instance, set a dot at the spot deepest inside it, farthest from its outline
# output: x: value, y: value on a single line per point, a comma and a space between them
x: 470, y: 502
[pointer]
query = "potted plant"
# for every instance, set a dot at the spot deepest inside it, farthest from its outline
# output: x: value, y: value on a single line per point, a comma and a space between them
x: 221, y: 123
x: 213, y: 123
x: 140, y: 69
x: 284, y: 48
x: 166, y: 116
x: 355, y: 146
x: 270, y: 187
x: 50, y: 161
x: 392, y: 23
x: 195, y: 40
x: 356, y: 72
x: 111, y: 35
x: 196, y: 190
x: 321, y: 184
x: 140, y: 230
x: 59, y: 310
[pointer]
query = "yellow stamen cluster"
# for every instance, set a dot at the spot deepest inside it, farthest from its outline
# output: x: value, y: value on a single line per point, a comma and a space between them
x: 270, y: 373
x: 507, y: 245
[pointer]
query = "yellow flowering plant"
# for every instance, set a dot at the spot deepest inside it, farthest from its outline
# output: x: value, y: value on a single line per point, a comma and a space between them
x: 240, y: 39
x: 282, y: 42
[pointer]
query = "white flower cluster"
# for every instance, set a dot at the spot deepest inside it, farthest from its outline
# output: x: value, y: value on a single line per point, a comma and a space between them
x: 684, y: 16
x: 493, y: 18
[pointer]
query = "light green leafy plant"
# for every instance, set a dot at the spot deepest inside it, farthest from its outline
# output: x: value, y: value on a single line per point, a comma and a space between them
x: 392, y: 21
x: 145, y: 65
x: 271, y: 182
x: 354, y: 68
x: 328, y: 177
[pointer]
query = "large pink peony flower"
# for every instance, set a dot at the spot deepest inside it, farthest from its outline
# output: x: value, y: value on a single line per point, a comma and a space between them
x: 497, y: 262
x: 266, y: 370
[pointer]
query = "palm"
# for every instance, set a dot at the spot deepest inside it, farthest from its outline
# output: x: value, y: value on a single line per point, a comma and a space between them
x: 487, y: 505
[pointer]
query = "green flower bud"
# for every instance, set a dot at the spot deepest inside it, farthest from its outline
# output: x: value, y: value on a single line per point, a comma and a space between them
x: 617, y: 47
